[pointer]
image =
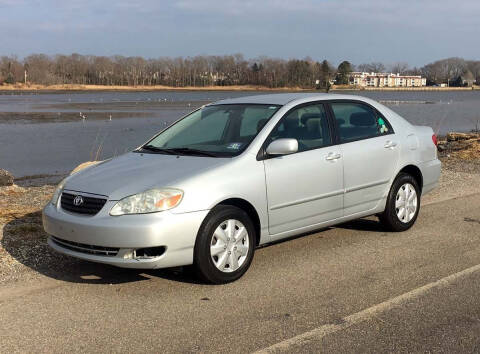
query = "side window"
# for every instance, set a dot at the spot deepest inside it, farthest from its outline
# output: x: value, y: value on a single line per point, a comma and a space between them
x: 307, y: 124
x: 357, y: 121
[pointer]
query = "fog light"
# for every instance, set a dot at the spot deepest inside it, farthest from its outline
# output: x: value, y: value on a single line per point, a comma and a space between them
x: 129, y: 254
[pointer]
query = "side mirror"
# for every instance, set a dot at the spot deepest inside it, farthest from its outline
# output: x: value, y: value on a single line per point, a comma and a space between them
x: 282, y: 147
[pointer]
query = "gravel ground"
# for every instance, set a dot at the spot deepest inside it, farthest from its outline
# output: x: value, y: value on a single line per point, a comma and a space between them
x: 457, y: 179
x: 22, y: 239
x: 23, y: 248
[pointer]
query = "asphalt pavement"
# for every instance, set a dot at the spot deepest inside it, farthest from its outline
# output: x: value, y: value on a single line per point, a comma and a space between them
x: 352, y: 288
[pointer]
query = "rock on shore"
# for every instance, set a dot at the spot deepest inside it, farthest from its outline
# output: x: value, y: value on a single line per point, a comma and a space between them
x: 6, y: 178
x: 467, y: 143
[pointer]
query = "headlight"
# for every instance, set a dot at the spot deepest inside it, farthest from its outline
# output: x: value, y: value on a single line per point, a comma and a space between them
x: 150, y: 201
x: 58, y: 192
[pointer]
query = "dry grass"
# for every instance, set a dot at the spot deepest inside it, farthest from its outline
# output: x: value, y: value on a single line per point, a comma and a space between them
x: 471, y: 153
x: 75, y: 87
x: 461, y: 146
x: 17, y: 201
x: 462, y: 157
x: 86, y: 164
x: 71, y: 87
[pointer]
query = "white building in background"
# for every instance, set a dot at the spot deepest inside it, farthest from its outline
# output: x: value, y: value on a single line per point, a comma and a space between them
x: 364, y: 79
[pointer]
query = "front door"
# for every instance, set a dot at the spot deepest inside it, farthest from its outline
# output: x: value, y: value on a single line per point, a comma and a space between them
x: 304, y: 188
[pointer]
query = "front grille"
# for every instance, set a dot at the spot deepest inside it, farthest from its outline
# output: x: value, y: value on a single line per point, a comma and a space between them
x: 90, y: 205
x: 83, y: 248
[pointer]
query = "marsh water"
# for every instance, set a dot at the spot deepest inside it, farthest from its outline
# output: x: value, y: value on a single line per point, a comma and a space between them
x: 50, y: 133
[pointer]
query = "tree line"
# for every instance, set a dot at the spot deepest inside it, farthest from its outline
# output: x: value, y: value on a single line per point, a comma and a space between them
x: 212, y: 70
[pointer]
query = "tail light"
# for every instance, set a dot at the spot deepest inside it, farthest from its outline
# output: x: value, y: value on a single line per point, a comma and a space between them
x: 434, y: 139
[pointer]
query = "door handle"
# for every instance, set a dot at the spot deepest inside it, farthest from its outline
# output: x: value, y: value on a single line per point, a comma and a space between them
x: 389, y: 144
x: 332, y: 156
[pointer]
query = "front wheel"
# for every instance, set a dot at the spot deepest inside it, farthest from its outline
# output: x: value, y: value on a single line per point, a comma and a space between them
x: 225, y: 245
x: 403, y: 204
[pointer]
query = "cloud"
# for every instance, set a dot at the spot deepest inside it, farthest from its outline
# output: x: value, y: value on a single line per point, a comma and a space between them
x: 360, y: 30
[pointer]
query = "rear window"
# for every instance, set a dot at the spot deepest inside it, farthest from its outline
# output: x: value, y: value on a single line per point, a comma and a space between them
x: 356, y: 121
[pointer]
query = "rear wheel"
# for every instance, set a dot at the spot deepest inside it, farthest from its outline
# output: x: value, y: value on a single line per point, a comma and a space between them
x: 225, y: 245
x: 403, y: 204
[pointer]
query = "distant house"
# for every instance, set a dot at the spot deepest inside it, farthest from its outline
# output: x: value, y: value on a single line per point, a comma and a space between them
x: 365, y: 79
x: 467, y: 79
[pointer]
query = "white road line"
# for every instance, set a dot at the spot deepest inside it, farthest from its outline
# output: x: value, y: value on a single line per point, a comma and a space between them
x: 322, y: 331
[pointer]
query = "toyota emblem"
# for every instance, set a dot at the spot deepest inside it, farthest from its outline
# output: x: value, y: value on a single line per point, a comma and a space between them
x: 78, y: 200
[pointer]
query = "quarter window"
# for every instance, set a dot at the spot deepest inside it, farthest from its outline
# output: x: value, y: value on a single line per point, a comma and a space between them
x: 307, y: 124
x: 357, y: 121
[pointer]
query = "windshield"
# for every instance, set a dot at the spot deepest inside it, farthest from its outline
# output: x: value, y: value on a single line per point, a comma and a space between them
x: 217, y: 130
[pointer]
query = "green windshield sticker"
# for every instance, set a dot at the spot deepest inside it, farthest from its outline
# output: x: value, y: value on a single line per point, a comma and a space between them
x: 380, y: 121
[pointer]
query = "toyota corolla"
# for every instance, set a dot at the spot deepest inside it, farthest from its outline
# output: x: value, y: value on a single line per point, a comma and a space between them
x: 243, y: 172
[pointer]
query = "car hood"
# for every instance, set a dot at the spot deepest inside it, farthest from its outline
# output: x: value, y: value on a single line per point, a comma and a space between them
x: 136, y: 172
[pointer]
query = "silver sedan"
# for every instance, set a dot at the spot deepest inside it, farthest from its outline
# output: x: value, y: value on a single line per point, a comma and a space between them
x: 240, y: 173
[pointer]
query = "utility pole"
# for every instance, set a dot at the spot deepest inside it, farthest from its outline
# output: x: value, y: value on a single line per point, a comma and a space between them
x: 25, y: 77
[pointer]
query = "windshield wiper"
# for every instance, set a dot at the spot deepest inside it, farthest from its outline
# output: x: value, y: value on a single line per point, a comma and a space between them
x: 157, y: 149
x: 177, y: 151
x: 189, y: 151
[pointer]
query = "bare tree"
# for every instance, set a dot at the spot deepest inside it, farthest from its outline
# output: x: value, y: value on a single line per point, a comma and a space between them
x: 399, y: 68
x: 474, y: 67
x: 445, y: 70
x: 11, y: 69
x: 375, y: 67
x: 207, y: 70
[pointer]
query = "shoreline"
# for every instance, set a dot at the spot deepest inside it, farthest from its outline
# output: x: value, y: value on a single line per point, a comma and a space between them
x: 140, y: 88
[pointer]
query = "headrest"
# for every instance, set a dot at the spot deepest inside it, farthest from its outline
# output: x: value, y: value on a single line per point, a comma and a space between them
x: 307, y: 116
x: 261, y: 123
x: 313, y: 125
x: 362, y: 119
x: 293, y: 114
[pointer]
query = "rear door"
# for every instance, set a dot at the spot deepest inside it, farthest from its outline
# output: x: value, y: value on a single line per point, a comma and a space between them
x: 304, y: 188
x: 370, y: 154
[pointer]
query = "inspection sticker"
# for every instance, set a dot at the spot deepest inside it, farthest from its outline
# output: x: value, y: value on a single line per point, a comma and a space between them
x: 234, y: 146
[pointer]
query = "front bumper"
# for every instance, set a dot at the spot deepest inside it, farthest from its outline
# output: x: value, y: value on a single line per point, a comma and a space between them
x: 175, y: 232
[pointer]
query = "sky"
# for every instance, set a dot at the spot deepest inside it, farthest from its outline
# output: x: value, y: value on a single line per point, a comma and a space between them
x: 361, y: 31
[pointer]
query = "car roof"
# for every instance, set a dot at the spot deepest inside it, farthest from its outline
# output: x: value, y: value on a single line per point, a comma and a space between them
x: 284, y: 98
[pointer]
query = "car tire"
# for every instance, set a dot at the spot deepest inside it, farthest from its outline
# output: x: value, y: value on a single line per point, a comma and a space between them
x: 403, y: 204
x: 227, y: 234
